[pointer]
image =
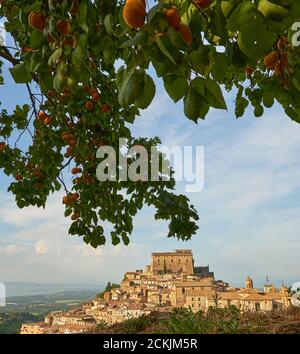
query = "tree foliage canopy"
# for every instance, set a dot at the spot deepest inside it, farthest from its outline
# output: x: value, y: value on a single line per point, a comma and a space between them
x: 85, y: 65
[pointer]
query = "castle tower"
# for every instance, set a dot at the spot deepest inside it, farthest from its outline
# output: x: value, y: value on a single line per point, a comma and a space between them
x: 179, y: 261
x: 248, y: 283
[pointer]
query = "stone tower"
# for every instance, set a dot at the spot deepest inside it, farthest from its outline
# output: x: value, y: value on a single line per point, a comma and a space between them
x: 248, y: 283
x: 180, y: 261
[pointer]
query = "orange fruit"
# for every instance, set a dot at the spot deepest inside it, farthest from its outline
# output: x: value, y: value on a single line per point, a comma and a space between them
x: 173, y: 17
x: 105, y: 108
x: 75, y: 7
x: 42, y: 116
x: 186, y: 33
x: 63, y: 27
x: 48, y: 121
x: 89, y: 106
x: 271, y: 59
x: 37, y: 20
x: 202, y: 4
x: 96, y: 97
x: 2, y: 146
x: 134, y: 13
x: 76, y: 170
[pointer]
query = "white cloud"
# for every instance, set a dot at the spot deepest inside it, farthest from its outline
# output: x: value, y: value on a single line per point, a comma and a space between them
x: 11, y: 250
x: 42, y: 247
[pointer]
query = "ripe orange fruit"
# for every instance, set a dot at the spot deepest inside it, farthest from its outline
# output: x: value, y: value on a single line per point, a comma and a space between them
x: 248, y: 70
x: 63, y: 27
x: 71, y: 42
x: 18, y: 177
x: 271, y: 59
x: 76, y: 170
x: 173, y: 17
x: 202, y: 4
x: 105, y: 108
x: 48, y: 121
x: 42, y: 116
x: 96, y: 97
x: 134, y: 13
x: 143, y: 2
x: 92, y: 90
x: 76, y: 195
x: 186, y: 33
x: 2, y: 146
x: 37, y: 20
x: 75, y: 7
x: 89, y: 106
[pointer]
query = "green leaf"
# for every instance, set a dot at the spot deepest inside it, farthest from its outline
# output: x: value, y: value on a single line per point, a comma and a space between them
x: 108, y: 23
x: 132, y: 87
x: 192, y: 105
x: 214, y: 95
x: 255, y: 40
x: 36, y: 39
x: 164, y: 45
x: 177, y: 88
x: 147, y: 94
x: 20, y: 73
x: 244, y: 13
x: 77, y: 57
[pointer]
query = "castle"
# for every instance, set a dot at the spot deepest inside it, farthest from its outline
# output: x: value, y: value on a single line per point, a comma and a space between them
x: 170, y: 281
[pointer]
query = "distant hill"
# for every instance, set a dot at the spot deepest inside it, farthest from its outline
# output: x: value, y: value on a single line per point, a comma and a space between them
x: 27, y: 289
x: 33, y: 308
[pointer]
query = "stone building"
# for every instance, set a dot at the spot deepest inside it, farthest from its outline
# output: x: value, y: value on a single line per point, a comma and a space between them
x: 180, y: 261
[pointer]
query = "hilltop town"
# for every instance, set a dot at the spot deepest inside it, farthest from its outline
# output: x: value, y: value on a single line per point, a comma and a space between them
x: 170, y: 281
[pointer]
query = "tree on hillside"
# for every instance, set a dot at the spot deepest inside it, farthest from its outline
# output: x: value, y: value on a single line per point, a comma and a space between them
x: 65, y: 53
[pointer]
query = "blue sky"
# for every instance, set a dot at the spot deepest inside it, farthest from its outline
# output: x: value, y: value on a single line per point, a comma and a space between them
x: 249, y: 208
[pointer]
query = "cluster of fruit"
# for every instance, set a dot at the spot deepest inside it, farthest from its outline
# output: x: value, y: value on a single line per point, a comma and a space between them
x: 71, y: 200
x: 43, y: 117
x: 95, y: 98
x: 134, y: 14
x: 37, y: 21
x: 278, y: 60
x: 174, y: 19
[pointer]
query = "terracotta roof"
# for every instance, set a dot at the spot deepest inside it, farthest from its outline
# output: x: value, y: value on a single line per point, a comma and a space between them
x: 257, y: 297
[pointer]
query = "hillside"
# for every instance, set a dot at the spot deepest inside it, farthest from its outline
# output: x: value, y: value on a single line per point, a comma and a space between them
x: 217, y: 321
